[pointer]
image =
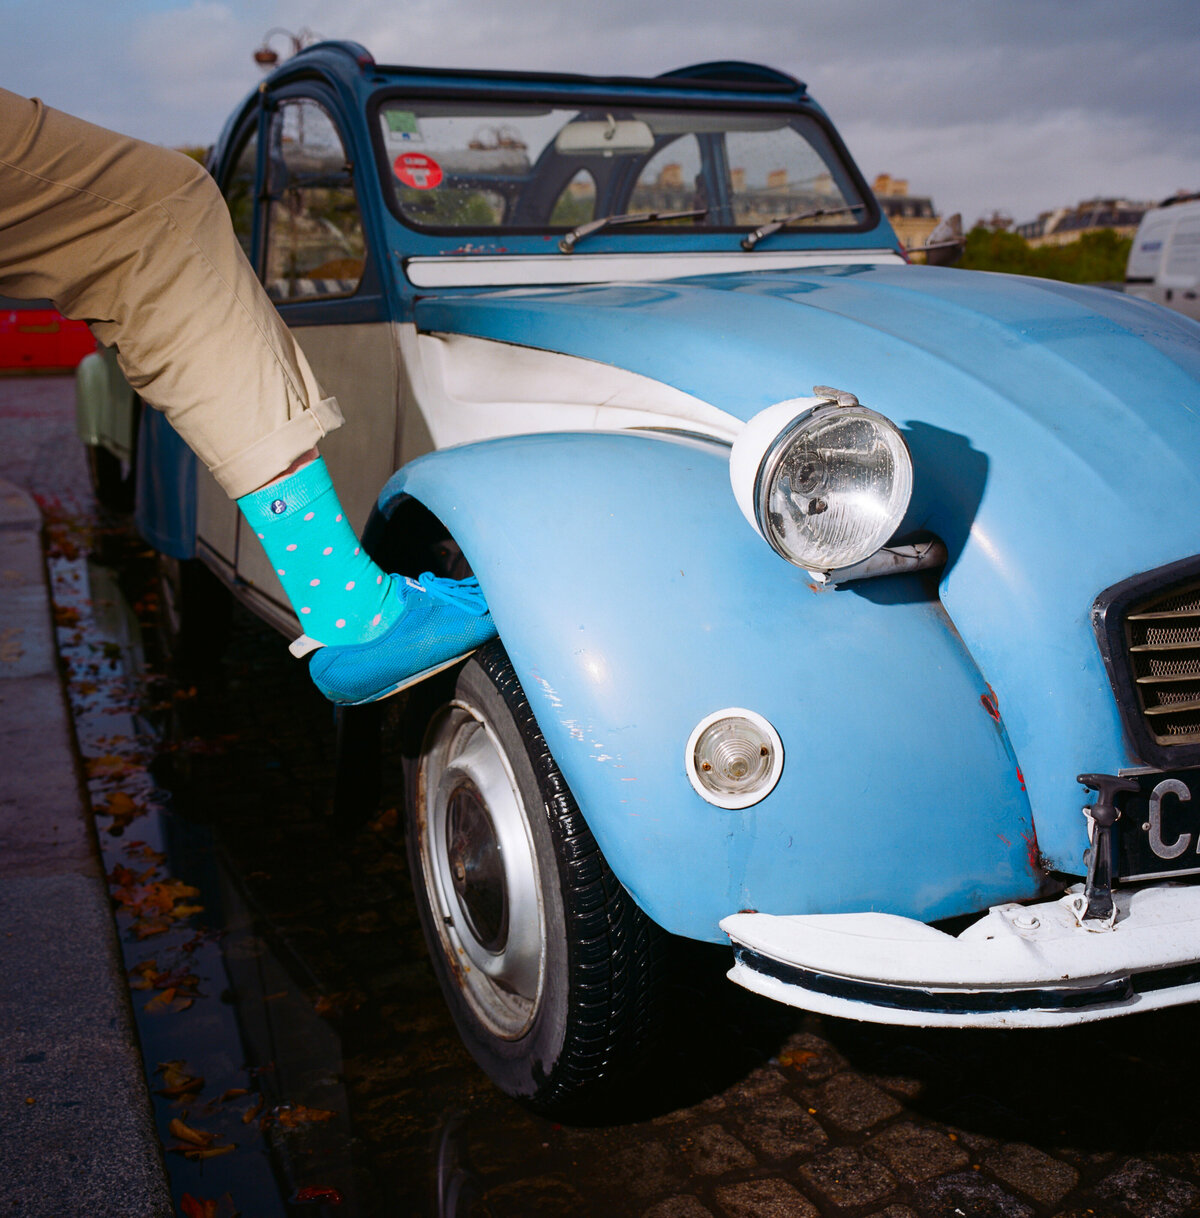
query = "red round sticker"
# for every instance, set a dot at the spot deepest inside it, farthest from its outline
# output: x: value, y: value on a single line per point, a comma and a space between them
x: 417, y: 170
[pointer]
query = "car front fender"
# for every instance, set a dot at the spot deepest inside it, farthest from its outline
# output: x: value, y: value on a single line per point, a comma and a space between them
x: 633, y: 600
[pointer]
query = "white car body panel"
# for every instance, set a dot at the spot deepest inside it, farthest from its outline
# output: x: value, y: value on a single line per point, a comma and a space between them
x: 472, y: 389
x: 482, y: 271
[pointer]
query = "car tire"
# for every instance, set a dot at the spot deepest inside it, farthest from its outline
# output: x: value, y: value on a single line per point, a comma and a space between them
x: 111, y: 486
x: 551, y: 971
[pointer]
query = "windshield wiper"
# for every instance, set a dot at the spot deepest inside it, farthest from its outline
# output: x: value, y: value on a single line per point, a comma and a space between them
x: 572, y: 239
x: 773, y: 226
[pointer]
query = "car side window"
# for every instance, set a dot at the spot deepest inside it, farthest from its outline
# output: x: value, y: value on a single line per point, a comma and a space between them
x: 315, y: 241
x: 239, y: 192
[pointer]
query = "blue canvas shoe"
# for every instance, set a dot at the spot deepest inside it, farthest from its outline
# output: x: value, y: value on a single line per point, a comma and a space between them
x: 373, y: 633
x: 442, y: 622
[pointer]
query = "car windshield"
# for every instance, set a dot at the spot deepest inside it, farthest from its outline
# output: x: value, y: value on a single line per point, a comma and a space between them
x: 521, y: 167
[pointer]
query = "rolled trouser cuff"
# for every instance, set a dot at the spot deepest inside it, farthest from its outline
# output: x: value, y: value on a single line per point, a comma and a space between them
x: 269, y: 456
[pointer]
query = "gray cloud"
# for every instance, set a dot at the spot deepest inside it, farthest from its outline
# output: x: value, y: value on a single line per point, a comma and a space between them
x: 1020, y: 106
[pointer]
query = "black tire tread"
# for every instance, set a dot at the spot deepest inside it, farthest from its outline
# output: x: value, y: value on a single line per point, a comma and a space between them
x: 616, y: 952
x: 112, y: 489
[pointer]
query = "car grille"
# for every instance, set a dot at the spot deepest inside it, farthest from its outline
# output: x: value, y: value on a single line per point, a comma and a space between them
x: 1162, y: 639
x: 1148, y: 629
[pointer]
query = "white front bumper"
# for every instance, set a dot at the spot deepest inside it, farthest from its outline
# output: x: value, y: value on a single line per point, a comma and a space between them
x: 1030, y: 966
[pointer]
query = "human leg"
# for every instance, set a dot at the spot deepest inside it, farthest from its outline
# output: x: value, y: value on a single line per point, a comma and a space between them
x: 137, y: 240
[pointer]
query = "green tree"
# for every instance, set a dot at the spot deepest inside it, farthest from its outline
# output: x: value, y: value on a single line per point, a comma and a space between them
x: 995, y: 250
x: 1094, y: 258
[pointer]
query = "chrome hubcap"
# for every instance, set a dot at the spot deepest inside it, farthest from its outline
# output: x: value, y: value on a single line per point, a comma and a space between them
x: 479, y: 869
x: 476, y: 869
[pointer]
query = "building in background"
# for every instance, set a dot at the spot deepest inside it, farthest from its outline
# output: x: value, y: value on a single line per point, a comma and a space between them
x: 912, y: 216
x: 1063, y: 225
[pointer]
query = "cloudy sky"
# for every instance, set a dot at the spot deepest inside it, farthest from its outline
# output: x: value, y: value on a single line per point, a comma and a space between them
x: 1016, y: 105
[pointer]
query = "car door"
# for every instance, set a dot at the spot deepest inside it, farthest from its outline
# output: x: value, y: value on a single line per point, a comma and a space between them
x: 217, y: 515
x: 304, y: 229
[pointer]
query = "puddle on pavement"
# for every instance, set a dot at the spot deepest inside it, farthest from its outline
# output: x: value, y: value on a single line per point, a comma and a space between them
x: 245, y: 1075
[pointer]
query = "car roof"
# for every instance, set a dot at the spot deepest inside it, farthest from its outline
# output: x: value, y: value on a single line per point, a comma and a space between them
x: 355, y: 65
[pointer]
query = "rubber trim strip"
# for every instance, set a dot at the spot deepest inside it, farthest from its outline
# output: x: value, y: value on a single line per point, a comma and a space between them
x: 955, y: 1002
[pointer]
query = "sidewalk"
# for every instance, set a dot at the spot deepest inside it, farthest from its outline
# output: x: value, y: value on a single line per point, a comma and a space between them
x: 76, y: 1133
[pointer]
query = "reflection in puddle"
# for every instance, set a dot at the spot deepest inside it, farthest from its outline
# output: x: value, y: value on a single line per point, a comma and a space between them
x: 459, y: 1193
x: 245, y: 1075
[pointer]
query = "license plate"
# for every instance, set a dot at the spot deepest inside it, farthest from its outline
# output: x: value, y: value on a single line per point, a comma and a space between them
x: 1159, y: 830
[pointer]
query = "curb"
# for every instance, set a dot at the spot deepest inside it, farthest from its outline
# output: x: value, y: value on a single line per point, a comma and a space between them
x: 76, y: 1129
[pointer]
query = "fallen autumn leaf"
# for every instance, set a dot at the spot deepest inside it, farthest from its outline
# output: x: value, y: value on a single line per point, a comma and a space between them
x: 208, y: 1152
x: 291, y: 1115
x: 177, y: 1081
x: 185, y: 1133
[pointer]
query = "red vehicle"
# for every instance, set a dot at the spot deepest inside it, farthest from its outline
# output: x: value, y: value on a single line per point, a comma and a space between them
x: 36, y: 337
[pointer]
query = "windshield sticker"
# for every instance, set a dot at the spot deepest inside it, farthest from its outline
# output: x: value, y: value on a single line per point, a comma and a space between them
x: 402, y: 126
x: 417, y: 170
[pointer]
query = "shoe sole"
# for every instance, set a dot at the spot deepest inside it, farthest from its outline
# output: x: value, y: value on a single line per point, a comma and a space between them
x: 408, y: 682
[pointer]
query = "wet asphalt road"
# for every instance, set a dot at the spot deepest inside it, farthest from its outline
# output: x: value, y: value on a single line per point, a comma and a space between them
x: 314, y: 1012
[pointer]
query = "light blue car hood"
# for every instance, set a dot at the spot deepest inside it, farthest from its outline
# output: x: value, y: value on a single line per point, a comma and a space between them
x: 1055, y: 434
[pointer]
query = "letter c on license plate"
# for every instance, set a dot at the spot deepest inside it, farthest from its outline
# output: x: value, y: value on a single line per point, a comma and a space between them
x: 1159, y: 829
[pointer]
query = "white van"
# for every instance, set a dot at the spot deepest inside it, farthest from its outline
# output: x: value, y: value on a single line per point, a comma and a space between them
x: 1164, y: 263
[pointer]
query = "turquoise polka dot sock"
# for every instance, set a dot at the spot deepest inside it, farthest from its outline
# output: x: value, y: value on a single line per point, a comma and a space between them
x: 338, y: 593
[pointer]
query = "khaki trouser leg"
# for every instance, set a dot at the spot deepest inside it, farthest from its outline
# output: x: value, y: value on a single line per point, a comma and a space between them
x: 137, y: 241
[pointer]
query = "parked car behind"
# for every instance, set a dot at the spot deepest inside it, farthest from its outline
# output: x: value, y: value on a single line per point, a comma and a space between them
x: 1164, y: 261
x: 106, y: 420
x: 36, y: 337
x: 829, y: 588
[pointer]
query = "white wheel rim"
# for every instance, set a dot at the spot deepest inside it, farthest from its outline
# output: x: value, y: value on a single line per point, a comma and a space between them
x: 480, y: 871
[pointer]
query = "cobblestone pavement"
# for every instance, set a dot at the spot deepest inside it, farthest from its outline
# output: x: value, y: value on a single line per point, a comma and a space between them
x: 759, y: 1111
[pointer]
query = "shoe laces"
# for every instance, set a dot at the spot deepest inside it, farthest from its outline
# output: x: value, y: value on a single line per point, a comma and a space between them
x: 461, y: 593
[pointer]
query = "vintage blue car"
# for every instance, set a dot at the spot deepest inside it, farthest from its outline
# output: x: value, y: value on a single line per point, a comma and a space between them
x: 830, y: 588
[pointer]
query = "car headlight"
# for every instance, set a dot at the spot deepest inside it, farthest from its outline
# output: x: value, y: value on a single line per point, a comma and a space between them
x: 825, y: 483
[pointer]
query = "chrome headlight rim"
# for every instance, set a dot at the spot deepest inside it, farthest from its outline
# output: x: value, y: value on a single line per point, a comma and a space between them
x: 770, y: 437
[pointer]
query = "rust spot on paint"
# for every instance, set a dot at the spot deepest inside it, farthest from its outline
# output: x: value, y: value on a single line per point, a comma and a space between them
x: 1033, y: 855
x: 990, y: 703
